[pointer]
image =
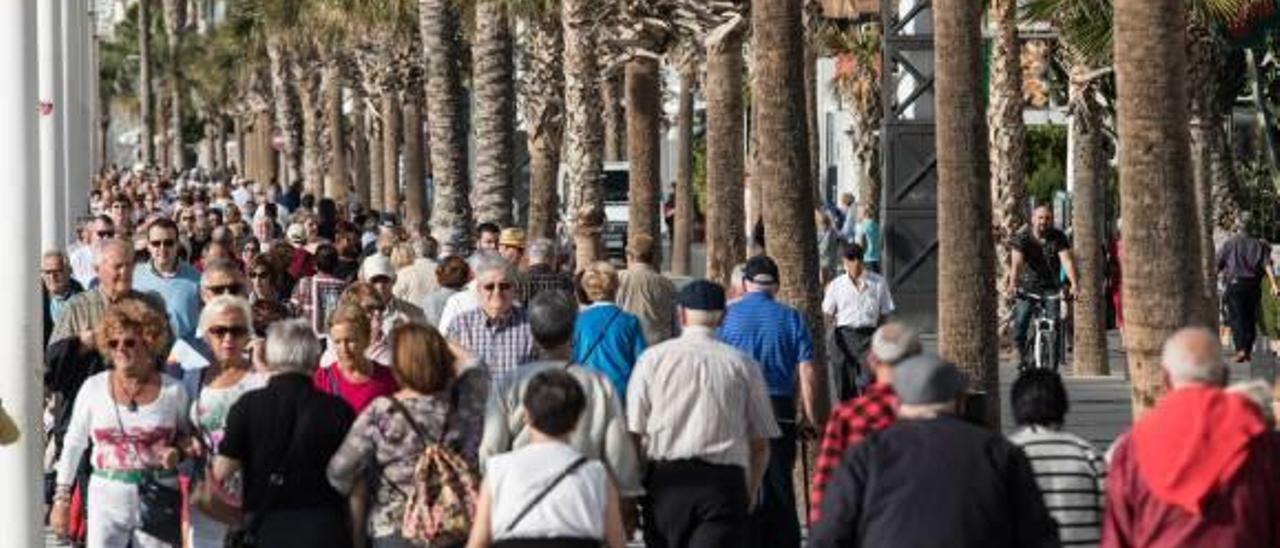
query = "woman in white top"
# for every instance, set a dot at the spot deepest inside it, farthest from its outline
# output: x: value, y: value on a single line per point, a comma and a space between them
x: 136, y: 418
x: 546, y: 494
x: 225, y: 324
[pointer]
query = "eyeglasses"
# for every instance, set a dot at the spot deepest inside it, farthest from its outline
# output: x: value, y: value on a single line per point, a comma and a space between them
x: 186, y: 218
x: 260, y: 274
x: 127, y: 344
x: 164, y: 243
x: 52, y: 271
x: 235, y: 331
x: 233, y: 289
x: 500, y: 286
x: 106, y: 233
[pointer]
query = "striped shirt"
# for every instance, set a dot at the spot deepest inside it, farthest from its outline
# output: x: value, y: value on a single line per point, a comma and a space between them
x: 1072, y: 477
x: 773, y: 334
x: 694, y: 397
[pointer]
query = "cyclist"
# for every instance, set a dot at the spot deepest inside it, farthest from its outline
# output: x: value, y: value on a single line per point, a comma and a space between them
x: 1039, y: 253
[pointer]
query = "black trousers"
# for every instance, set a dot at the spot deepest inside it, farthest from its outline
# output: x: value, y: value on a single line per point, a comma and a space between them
x: 320, y: 527
x: 554, y: 542
x: 775, y: 522
x: 848, y: 355
x: 695, y: 504
x: 1243, y: 298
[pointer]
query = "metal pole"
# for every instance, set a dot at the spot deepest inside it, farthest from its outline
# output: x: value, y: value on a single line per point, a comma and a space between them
x: 21, y: 504
x: 52, y: 108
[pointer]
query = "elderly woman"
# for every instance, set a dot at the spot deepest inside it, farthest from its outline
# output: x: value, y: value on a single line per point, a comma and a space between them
x: 136, y: 418
x: 452, y: 274
x: 282, y: 437
x: 441, y: 401
x: 605, y: 337
x: 227, y: 324
x: 353, y: 377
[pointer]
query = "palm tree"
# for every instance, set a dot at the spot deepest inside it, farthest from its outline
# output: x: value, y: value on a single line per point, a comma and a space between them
x: 146, y: 101
x: 726, y: 243
x: 782, y: 168
x: 287, y: 111
x: 1089, y: 353
x: 1007, y: 140
x: 857, y: 82
x: 612, y: 98
x: 307, y: 70
x: 494, y: 114
x: 331, y: 85
x: 966, y: 258
x: 451, y: 211
x: 175, y: 22
x: 1159, y: 205
x: 584, y: 146
x: 683, y: 225
x: 641, y: 25
x: 542, y: 101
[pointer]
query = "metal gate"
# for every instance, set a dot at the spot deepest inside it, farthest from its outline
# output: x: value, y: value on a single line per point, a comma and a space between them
x: 909, y: 192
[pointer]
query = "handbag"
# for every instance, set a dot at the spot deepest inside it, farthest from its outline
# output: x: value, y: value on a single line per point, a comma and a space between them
x: 161, y: 504
x: 247, y: 536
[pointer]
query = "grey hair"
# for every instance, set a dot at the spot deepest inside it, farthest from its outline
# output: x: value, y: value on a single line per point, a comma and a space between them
x: 540, y: 250
x: 292, y: 347
x: 895, y: 342
x: 60, y: 254
x: 103, y: 247
x: 221, y: 304
x: 1193, y: 355
x: 486, y: 263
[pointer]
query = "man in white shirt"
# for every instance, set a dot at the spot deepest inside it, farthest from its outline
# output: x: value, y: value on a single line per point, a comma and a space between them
x: 83, y: 259
x: 854, y: 305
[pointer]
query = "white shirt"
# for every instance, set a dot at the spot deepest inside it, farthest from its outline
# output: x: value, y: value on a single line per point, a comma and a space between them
x: 858, y: 305
x: 573, y: 508
x: 461, y: 302
x: 82, y: 267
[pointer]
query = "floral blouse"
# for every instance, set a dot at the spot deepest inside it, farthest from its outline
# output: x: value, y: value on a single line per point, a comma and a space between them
x: 384, y: 446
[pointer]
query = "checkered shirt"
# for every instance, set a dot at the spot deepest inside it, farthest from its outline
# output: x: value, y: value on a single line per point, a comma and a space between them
x: 850, y: 422
x: 501, y: 344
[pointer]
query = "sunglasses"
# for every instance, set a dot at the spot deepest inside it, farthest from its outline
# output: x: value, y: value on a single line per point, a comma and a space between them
x: 127, y: 344
x: 164, y: 243
x: 235, y: 331
x: 52, y: 272
x: 186, y: 218
x: 233, y: 289
x: 260, y: 274
x: 106, y: 233
x: 500, y: 286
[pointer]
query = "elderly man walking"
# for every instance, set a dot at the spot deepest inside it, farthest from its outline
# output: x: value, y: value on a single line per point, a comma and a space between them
x: 701, y: 412
x: 498, y: 331
x: 646, y: 293
x: 932, y: 479
x: 1244, y: 261
x: 1199, y: 469
x: 57, y: 287
x: 777, y: 338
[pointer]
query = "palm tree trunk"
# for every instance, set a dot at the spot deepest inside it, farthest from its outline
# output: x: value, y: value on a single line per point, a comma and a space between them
x: 451, y: 212
x: 175, y: 17
x: 1088, y: 210
x: 812, y: 15
x: 726, y: 243
x: 584, y: 146
x: 146, y: 100
x: 390, y: 152
x: 260, y: 149
x: 1008, y: 136
x: 495, y: 113
x: 644, y: 120
x: 414, y: 170
x: 312, y: 129
x: 1204, y: 56
x: 544, y: 97
x: 612, y: 95
x: 683, y: 222
x: 1159, y: 205
x: 782, y: 168
x: 377, y: 157
x: 336, y: 172
x: 966, y: 258
x: 285, y: 99
x: 360, y: 147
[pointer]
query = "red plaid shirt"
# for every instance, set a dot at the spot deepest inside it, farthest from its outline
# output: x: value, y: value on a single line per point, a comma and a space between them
x: 849, y: 423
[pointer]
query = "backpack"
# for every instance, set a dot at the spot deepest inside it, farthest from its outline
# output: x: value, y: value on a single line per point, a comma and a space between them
x: 445, y: 489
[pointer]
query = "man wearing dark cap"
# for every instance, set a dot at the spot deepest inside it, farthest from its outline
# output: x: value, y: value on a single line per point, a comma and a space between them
x: 855, y: 304
x: 703, y: 418
x: 776, y: 337
x: 932, y: 479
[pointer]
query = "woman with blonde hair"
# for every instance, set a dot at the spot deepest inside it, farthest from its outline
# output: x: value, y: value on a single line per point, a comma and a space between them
x: 605, y: 337
x: 353, y: 377
x: 441, y: 400
x: 136, y: 418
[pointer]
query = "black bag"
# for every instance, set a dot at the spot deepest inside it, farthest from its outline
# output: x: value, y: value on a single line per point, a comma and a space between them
x: 247, y: 535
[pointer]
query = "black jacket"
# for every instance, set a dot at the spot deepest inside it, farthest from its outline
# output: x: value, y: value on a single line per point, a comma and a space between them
x: 934, y: 482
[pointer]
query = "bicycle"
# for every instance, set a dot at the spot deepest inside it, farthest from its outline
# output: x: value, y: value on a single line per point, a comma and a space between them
x: 1045, y: 347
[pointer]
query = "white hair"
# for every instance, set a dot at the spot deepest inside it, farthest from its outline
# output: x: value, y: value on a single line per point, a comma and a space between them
x: 223, y: 303
x: 1193, y: 355
x: 486, y: 263
x: 894, y: 342
x: 292, y: 347
x: 540, y: 250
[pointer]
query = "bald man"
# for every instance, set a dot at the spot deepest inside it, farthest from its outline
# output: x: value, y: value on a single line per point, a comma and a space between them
x: 1198, y: 469
x: 114, y: 268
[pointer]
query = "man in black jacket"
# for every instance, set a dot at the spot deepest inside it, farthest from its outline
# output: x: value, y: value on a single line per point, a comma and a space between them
x: 932, y: 479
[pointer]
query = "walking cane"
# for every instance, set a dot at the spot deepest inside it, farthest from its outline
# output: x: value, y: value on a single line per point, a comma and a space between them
x: 804, y: 466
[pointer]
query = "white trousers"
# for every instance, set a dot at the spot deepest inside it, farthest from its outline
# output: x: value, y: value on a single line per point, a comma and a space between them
x: 115, y: 516
x: 204, y: 531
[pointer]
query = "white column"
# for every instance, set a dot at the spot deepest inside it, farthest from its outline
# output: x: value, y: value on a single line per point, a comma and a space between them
x: 52, y: 167
x: 21, y: 504
x: 75, y: 140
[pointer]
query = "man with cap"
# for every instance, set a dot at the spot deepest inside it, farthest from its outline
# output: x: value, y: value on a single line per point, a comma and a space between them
x: 933, y: 479
x: 873, y: 411
x: 511, y: 245
x: 377, y: 270
x: 702, y: 416
x: 855, y: 305
x: 541, y: 273
x: 776, y: 337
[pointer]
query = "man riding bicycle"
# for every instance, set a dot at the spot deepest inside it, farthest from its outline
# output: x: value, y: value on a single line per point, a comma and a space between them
x: 1040, y: 253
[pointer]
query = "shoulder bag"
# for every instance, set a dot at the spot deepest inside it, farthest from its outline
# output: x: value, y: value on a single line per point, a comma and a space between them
x: 533, y: 503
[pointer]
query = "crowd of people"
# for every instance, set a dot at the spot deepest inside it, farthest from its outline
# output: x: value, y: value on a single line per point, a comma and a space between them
x: 233, y: 365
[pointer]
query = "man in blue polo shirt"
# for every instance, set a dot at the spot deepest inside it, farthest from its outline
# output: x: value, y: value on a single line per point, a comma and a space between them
x: 777, y: 338
x: 172, y: 279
